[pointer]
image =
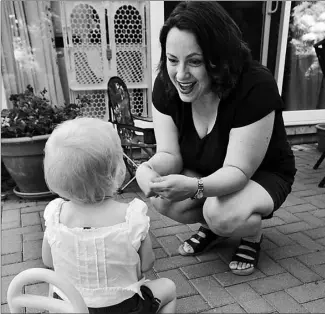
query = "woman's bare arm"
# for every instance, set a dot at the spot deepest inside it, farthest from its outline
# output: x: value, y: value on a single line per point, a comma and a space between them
x: 246, y: 150
x: 167, y: 158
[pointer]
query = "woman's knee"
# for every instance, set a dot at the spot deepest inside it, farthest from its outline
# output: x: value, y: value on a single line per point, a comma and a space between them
x: 221, y: 217
x: 167, y: 208
x: 176, y: 210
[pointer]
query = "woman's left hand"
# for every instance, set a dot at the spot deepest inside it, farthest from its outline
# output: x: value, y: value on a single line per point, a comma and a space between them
x: 174, y: 187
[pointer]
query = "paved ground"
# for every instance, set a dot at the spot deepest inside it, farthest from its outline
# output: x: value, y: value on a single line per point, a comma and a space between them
x: 291, y: 272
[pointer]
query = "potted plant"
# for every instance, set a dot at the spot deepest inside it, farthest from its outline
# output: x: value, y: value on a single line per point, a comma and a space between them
x: 25, y: 129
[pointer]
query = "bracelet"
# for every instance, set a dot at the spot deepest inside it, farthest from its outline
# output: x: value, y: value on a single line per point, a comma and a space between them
x: 200, y: 188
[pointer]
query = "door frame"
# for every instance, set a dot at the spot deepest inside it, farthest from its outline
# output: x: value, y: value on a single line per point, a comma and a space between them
x: 156, y: 21
x: 297, y: 117
x: 291, y: 118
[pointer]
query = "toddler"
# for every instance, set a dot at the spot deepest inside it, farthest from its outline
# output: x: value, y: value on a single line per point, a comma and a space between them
x: 100, y: 245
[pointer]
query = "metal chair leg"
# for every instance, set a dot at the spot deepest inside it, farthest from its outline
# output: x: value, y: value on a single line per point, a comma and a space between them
x: 322, y: 183
x: 320, y: 160
x: 128, y: 166
x: 121, y: 189
x: 128, y: 161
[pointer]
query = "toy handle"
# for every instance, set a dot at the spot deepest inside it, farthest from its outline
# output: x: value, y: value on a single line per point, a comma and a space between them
x: 17, y: 299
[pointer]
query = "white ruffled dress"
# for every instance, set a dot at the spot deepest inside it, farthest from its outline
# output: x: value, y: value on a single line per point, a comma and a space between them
x: 102, y: 263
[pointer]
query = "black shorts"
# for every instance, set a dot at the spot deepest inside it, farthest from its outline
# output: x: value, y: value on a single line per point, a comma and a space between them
x: 134, y: 305
x: 278, y: 186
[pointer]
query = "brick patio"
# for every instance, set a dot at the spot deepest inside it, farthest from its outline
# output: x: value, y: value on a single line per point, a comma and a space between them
x: 291, y: 272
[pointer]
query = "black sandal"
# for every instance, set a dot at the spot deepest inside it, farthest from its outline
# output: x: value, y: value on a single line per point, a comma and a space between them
x: 253, y: 253
x: 200, y: 244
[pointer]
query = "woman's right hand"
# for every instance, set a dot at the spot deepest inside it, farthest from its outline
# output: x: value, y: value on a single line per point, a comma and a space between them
x: 144, y: 175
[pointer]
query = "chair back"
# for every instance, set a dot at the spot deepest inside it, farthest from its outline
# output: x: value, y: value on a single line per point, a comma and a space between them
x: 18, y: 300
x: 119, y: 101
x: 320, y: 52
x: 119, y: 107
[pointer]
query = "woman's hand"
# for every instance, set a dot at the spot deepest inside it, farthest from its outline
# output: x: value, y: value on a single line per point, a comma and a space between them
x: 144, y: 175
x: 174, y: 187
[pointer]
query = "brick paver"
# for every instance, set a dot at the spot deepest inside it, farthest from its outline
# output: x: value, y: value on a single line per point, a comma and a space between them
x: 291, y: 273
x: 183, y: 287
x: 212, y: 291
x: 259, y: 305
x: 299, y: 270
x: 308, y: 292
x: 284, y: 303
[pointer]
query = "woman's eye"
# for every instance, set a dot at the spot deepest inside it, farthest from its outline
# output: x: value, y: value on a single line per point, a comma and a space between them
x: 196, y: 62
x: 172, y: 60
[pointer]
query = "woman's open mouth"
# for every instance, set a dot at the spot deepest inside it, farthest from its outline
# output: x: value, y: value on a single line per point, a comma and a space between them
x: 186, y: 88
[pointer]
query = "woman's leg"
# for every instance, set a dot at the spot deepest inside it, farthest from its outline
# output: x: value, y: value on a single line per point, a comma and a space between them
x: 187, y: 211
x: 239, y: 214
x: 164, y: 289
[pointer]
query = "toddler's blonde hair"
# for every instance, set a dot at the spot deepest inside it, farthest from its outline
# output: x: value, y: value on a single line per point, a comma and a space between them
x: 84, y: 160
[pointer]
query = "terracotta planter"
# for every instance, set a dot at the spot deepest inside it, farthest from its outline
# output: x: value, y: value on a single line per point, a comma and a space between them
x: 23, y: 158
x: 321, y: 137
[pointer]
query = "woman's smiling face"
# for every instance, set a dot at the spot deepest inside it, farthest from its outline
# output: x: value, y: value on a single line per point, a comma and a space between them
x: 185, y: 66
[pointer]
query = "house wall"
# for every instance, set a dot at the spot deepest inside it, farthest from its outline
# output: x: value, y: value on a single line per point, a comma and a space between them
x: 3, y: 96
x: 156, y: 22
x: 298, y: 133
x: 55, y: 6
x: 158, y: 12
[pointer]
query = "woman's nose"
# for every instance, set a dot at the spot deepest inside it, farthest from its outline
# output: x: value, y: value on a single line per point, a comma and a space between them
x: 182, y: 72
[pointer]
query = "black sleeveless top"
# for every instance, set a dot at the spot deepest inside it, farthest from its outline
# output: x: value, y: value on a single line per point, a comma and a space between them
x: 254, y: 96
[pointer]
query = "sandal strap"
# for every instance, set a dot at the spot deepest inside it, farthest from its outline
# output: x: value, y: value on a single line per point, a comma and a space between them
x: 238, y: 258
x: 208, y: 235
x: 199, y: 239
x: 242, y: 259
x: 206, y: 231
x: 246, y: 252
x: 202, y: 241
x: 256, y: 246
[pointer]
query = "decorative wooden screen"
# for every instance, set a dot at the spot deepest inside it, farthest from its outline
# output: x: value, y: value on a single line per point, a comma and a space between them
x: 104, y: 39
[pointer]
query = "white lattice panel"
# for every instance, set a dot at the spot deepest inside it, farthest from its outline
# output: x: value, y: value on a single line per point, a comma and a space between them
x: 88, y: 66
x: 85, y: 40
x: 138, y: 99
x: 129, y: 35
x: 130, y: 64
x: 99, y: 102
x: 104, y: 39
x: 97, y: 106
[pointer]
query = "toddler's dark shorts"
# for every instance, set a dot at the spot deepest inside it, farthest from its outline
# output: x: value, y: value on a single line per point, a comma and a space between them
x: 134, y: 305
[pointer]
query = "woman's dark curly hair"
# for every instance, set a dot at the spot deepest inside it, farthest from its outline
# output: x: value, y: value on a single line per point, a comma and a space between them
x: 224, y: 51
